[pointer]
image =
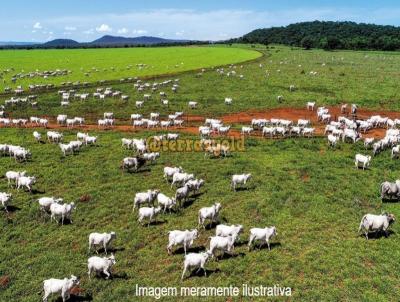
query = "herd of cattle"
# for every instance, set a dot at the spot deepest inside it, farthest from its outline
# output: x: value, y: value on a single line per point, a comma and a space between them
x: 151, y: 203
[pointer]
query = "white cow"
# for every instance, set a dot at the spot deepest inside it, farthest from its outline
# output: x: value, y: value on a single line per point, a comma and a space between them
x: 211, y: 213
x: 101, y: 265
x: 37, y: 136
x: 63, y: 210
x: 181, y: 178
x: 59, y: 286
x: 46, y: 202
x: 219, y: 243
x: 12, y: 176
x: 239, y: 179
x: 170, y: 171
x: 26, y: 181
x: 195, y: 260
x: 332, y: 140
x: 148, y: 213
x: 145, y: 197
x: 101, y: 239
x: 229, y: 230
x: 184, y: 238
x: 165, y: 201
x: 364, y: 160
x: 5, y: 199
x: 264, y: 235
x: 376, y: 223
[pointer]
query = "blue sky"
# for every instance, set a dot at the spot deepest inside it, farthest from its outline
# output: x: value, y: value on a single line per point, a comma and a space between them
x: 86, y: 20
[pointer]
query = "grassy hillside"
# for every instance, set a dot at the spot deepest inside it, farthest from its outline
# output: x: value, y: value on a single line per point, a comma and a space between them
x: 81, y: 61
x: 366, y: 78
x: 312, y: 194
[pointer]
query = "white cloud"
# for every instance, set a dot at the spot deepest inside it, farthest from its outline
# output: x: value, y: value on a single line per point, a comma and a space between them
x: 37, y: 25
x: 70, y: 28
x: 122, y: 31
x: 103, y: 28
x: 88, y: 32
x: 139, y: 32
x: 198, y: 25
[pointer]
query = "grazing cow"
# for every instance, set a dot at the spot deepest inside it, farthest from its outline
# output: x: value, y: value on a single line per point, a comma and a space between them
x: 195, y: 184
x: 228, y: 101
x: 332, y: 140
x: 66, y: 148
x: 247, y: 130
x: 395, y: 151
x: 26, y: 181
x: 310, y: 106
x: 182, y: 194
x: 12, y: 176
x: 238, y: 179
x: 37, y: 136
x: 46, y: 202
x: 352, y: 134
x: 145, y: 197
x: 264, y: 235
x: 63, y: 210
x: 184, y: 238
x: 59, y: 286
x: 211, y: 213
x: 376, y: 223
x: 181, y: 178
x: 364, y: 160
x: 229, y: 230
x: 195, y: 260
x: 165, y: 201
x: 170, y: 171
x: 224, y: 244
x: 134, y: 163
x: 101, y: 265
x: 101, y: 239
x: 5, y: 199
x: 390, y: 189
x: 148, y: 213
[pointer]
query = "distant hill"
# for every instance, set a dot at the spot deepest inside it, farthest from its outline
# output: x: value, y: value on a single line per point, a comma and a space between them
x: 105, y: 41
x: 61, y: 43
x: 5, y: 43
x: 114, y: 40
x: 328, y: 35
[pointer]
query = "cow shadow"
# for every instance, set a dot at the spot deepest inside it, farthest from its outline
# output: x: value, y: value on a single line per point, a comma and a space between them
x: 123, y: 276
x: 11, y: 209
x: 155, y: 223
x: 37, y: 191
x: 111, y: 250
x: 196, y: 249
x: 226, y: 256
x: 264, y: 246
x: 211, y: 225
x: 200, y: 273
x: 139, y: 171
x: 390, y: 200
x: 78, y: 298
x: 241, y: 243
x: 379, y: 235
x: 239, y: 189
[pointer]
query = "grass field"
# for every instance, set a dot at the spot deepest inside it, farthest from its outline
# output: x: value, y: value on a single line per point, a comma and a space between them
x: 366, y: 78
x: 98, y: 62
x: 312, y: 194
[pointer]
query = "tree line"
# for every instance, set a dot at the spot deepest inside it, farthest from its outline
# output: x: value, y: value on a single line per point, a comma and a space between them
x: 328, y: 35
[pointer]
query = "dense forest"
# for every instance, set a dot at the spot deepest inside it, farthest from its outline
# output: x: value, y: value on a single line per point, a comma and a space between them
x: 328, y: 35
